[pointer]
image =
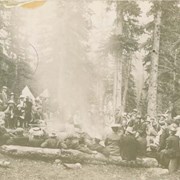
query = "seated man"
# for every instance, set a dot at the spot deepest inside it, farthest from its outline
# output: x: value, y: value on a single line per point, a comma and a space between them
x: 142, y: 143
x: 172, y: 151
x: 4, y: 135
x: 36, y: 137
x: 51, y: 142
x: 72, y: 142
x: 19, y: 138
x: 37, y: 131
x: 129, y: 145
x: 96, y: 146
x: 78, y: 141
x: 112, y: 142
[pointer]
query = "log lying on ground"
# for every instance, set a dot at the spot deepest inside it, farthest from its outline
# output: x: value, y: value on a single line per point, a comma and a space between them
x: 73, y: 156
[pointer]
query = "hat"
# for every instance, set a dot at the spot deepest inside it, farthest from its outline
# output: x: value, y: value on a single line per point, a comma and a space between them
x: 115, y: 125
x: 162, y: 123
x: 135, y: 110
x: 4, y: 87
x: 12, y: 93
x: 36, y: 129
x: 130, y: 130
x: 52, y: 135
x: 37, y: 132
x: 177, y: 117
x: 21, y: 96
x: 173, y: 127
x: 11, y: 102
x: 138, y: 117
x: 148, y: 120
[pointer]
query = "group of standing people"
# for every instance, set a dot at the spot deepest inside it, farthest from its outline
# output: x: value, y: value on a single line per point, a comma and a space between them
x: 19, y: 112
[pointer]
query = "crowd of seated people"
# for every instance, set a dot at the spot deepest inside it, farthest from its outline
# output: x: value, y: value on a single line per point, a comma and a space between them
x: 131, y: 136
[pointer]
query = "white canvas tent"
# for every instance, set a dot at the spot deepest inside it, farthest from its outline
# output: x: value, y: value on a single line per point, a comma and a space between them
x: 44, y: 94
x: 26, y: 92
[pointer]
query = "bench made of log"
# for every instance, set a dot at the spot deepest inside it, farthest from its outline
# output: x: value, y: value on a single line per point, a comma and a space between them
x: 73, y: 156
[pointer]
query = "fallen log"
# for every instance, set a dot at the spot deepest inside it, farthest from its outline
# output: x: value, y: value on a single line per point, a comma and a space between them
x: 73, y: 156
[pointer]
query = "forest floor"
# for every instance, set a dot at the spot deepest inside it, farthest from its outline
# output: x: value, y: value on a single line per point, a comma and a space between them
x: 24, y: 169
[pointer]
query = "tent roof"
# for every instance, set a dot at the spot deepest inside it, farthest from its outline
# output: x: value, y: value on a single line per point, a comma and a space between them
x: 45, y: 93
x: 26, y: 92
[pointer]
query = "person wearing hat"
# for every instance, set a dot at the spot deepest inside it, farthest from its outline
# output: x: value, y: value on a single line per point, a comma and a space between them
x: 20, y: 111
x: 9, y: 115
x: 118, y: 115
x: 172, y: 150
x: 51, y: 142
x: 4, y: 135
x: 141, y: 135
x: 151, y: 132
x: 4, y: 98
x: 96, y: 146
x: 138, y: 125
x: 112, y: 140
x: 177, y: 121
x: 12, y: 96
x: 36, y: 137
x: 163, y: 135
x: 129, y: 145
x: 19, y: 138
x: 28, y: 111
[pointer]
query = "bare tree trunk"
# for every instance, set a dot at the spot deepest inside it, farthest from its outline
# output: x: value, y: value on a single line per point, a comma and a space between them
x: 140, y: 94
x: 115, y: 86
x: 126, y: 84
x: 152, y: 91
x: 118, y: 65
x: 119, y: 82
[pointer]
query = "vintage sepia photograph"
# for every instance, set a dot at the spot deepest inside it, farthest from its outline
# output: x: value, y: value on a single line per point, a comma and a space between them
x: 89, y: 89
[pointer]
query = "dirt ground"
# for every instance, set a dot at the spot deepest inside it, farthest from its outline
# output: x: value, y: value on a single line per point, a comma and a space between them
x: 24, y: 169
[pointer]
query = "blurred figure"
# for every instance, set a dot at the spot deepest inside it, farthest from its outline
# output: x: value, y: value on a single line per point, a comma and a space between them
x: 163, y: 134
x: 12, y: 98
x: 19, y: 138
x: 118, y: 116
x: 177, y: 122
x: 10, y: 115
x: 77, y: 119
x: 112, y: 141
x: 51, y: 142
x: 151, y: 134
x: 46, y: 108
x: 36, y: 137
x: 37, y: 110
x: 4, y: 98
x: 172, y: 151
x: 28, y: 112
x: 4, y: 135
x: 96, y: 146
x: 129, y: 145
x: 20, y: 111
